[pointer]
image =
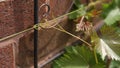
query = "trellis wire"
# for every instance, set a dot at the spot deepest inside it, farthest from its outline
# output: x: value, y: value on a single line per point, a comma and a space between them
x: 53, y: 20
x: 36, y: 26
x: 39, y: 25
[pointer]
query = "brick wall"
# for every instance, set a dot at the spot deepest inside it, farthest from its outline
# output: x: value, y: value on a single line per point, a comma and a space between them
x: 7, y: 54
x: 17, y: 15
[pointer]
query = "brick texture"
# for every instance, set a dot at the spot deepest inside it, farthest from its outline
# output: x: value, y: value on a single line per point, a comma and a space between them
x: 17, y: 15
x: 7, y: 23
x: 7, y: 54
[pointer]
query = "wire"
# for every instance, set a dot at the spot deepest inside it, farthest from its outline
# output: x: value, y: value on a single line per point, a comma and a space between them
x: 10, y: 36
x: 46, y: 24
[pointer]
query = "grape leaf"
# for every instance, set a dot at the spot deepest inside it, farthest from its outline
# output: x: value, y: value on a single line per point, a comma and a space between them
x: 77, y: 3
x: 115, y: 64
x: 108, y: 44
x: 117, y: 2
x: 77, y: 57
x: 113, y: 16
x: 79, y: 13
x: 111, y: 12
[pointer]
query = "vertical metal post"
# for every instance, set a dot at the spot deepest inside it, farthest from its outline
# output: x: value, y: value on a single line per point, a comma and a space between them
x: 35, y: 34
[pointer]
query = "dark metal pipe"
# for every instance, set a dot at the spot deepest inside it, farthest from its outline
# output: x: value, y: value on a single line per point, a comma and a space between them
x: 35, y: 34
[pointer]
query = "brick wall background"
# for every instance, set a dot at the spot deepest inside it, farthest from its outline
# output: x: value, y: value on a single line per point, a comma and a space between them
x: 17, y: 15
x: 7, y: 54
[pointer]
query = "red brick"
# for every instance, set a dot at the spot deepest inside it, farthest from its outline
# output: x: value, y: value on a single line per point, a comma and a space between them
x: 7, y: 54
x: 21, y: 17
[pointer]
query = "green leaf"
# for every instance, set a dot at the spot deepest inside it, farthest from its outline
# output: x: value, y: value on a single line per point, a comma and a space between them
x: 115, y: 64
x: 99, y: 65
x: 77, y: 57
x: 111, y: 12
x: 112, y: 38
x: 109, y: 43
x: 107, y: 7
x: 117, y: 2
x: 74, y: 15
x: 77, y: 3
x: 79, y: 13
x: 113, y: 16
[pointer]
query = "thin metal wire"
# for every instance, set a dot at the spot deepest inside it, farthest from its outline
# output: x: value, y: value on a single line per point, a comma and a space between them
x: 53, y: 20
x: 48, y: 9
x: 38, y: 25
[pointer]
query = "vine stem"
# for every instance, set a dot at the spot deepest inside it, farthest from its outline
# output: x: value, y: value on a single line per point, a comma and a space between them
x: 93, y: 3
x: 96, y: 59
x: 54, y: 20
x: 108, y: 62
x: 82, y: 19
x: 63, y: 30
